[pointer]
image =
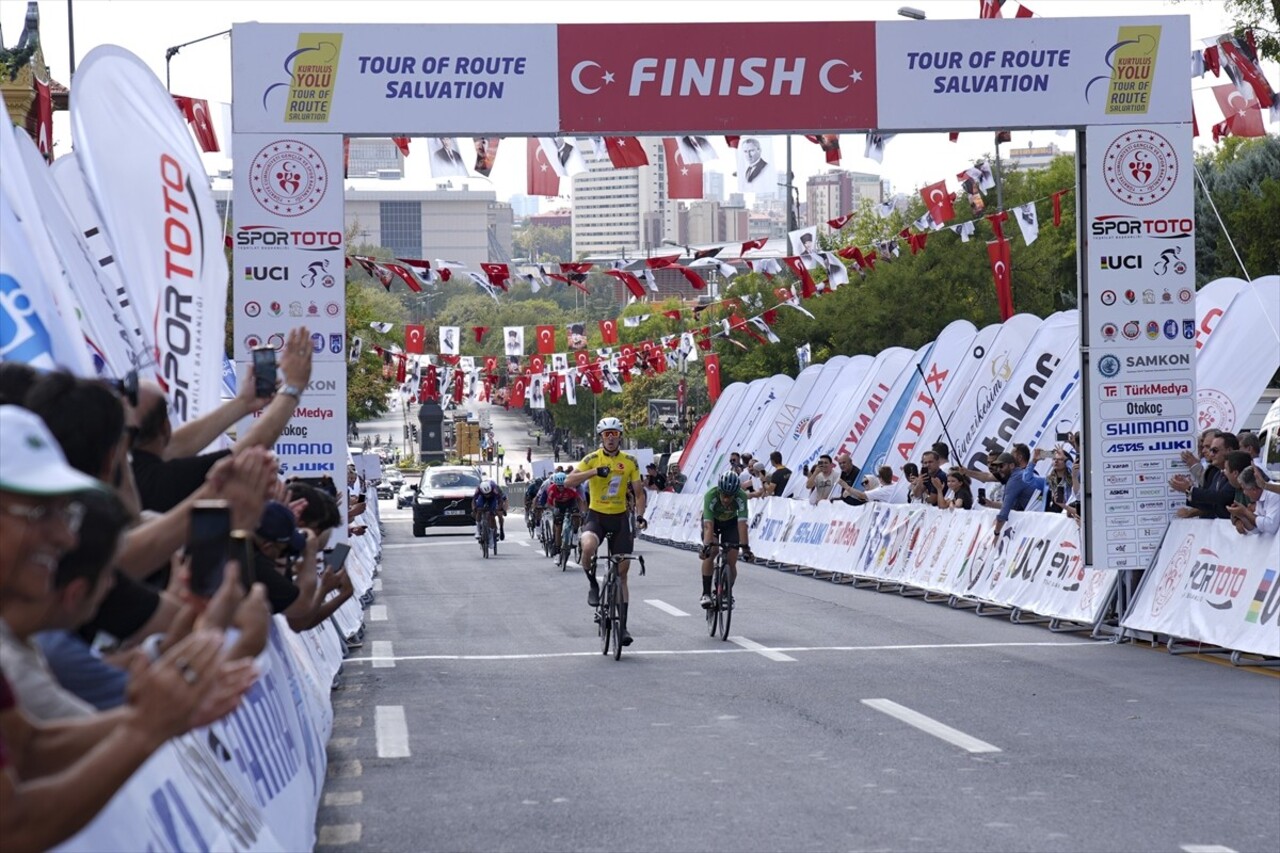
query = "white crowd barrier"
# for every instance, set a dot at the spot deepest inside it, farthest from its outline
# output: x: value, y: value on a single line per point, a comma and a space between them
x: 1211, y: 585
x: 1037, y: 566
x: 253, y: 780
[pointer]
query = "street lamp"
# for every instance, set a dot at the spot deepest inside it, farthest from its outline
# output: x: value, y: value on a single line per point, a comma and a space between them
x: 171, y: 52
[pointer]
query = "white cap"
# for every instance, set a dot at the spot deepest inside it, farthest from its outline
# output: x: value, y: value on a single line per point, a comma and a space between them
x: 31, y: 460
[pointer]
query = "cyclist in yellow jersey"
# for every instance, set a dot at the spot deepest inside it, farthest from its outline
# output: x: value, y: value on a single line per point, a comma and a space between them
x: 609, y: 474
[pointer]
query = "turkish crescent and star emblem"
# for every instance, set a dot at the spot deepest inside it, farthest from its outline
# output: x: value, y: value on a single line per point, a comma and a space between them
x: 288, y: 178
x: 589, y: 77
x: 1141, y: 167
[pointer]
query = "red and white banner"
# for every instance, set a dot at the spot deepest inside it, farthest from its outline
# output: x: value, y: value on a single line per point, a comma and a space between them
x: 1247, y: 334
x: 1212, y: 585
x: 1211, y: 303
x: 149, y: 184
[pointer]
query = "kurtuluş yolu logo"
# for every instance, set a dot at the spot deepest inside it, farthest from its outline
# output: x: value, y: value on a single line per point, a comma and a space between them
x: 1133, y: 70
x: 313, y: 74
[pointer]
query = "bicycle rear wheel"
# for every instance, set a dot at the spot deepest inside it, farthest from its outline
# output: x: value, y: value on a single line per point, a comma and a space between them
x: 563, y: 556
x: 493, y: 539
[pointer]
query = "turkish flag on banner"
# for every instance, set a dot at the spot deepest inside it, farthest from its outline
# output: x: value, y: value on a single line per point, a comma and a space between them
x: 429, y: 390
x: 594, y: 380
x: 627, y: 356
x: 404, y: 274
x: 629, y: 279
x: 546, y: 339
x: 1244, y: 117
x: 516, y: 397
x: 808, y: 289
x: 498, y: 274
x: 542, y: 179
x: 625, y: 152
x: 414, y: 336
x: 537, y: 363
x: 609, y: 330
x: 44, y: 120
x: 582, y: 358
x: 712, y: 363
x: 196, y: 111
x: 938, y: 200
x: 490, y: 365
x: 684, y: 180
x: 998, y: 254
x: 554, y: 387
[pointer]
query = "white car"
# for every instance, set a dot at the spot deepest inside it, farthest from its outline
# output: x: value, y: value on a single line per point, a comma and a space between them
x: 404, y: 497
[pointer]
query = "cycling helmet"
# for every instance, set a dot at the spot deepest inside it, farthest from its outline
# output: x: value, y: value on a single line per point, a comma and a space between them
x: 558, y: 478
x: 729, y: 483
x: 608, y: 423
x: 486, y: 488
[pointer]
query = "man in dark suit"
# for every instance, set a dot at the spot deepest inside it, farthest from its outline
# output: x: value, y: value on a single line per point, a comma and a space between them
x: 755, y: 163
x: 564, y: 150
x: 448, y: 155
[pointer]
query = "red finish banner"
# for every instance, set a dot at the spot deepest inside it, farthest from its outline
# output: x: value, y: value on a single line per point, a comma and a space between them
x: 717, y: 77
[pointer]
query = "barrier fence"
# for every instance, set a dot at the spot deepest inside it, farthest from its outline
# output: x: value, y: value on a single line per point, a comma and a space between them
x: 253, y: 780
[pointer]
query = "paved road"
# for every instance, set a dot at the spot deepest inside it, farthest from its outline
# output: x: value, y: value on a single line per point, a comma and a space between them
x: 480, y: 716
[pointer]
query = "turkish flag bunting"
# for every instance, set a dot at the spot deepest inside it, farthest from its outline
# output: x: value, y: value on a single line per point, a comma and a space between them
x: 516, y: 397
x: 1211, y: 60
x: 1246, y: 65
x: 684, y: 180
x: 998, y: 254
x: 498, y: 274
x: 692, y: 277
x: 704, y: 338
x: 771, y: 316
x: 404, y: 274
x: 196, y: 111
x: 996, y: 220
x: 989, y: 8
x: 712, y: 363
x: 554, y: 387
x: 808, y: 289
x: 707, y: 253
x: 609, y: 330
x: 1244, y: 117
x: 594, y: 380
x: 625, y: 152
x: 828, y: 142
x: 479, y: 332
x: 1057, y: 207
x: 537, y: 363
x: 546, y: 339
x: 627, y: 356
x: 490, y: 365
x: 429, y: 391
x: 580, y: 268
x: 629, y: 279
x: 938, y: 200
x: 582, y: 358
x: 953, y: 136
x: 673, y: 314
x: 402, y: 142
x: 732, y: 141
x: 658, y: 361
x: 542, y: 179
x: 401, y: 369
x: 457, y: 386
x: 840, y: 221
x: 757, y: 243
x: 662, y: 263
x: 414, y: 335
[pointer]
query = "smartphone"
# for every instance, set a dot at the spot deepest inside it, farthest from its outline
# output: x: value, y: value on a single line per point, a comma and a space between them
x: 982, y: 496
x: 240, y: 549
x: 336, y: 557
x: 264, y: 371
x: 1061, y: 495
x: 207, y: 539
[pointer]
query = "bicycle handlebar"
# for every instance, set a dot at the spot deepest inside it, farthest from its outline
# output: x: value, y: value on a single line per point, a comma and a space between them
x: 618, y: 558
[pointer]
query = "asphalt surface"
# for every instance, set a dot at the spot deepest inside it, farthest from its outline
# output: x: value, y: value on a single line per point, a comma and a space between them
x: 519, y: 735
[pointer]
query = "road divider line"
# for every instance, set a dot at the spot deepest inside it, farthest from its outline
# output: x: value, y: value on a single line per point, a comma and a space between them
x: 377, y: 585
x: 377, y: 613
x: 392, y: 731
x: 1206, y: 848
x: 930, y: 726
x: 753, y: 646
x: 383, y: 656
x: 664, y: 607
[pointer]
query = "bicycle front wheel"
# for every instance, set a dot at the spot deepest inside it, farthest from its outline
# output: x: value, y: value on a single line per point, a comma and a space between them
x: 603, y: 623
x: 724, y: 597
x: 615, y: 612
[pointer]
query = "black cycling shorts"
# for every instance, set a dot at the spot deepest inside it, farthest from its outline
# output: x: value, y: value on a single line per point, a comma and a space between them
x: 726, y: 532
x: 612, y: 527
x: 559, y: 511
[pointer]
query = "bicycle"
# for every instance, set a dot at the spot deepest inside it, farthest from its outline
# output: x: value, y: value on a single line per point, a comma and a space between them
x: 546, y: 532
x: 569, y: 541
x: 488, y: 535
x: 529, y: 520
x: 609, y: 611
x: 720, y: 611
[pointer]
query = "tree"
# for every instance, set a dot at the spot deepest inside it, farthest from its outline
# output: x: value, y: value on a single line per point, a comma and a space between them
x: 1242, y: 177
x: 541, y: 244
x: 367, y: 387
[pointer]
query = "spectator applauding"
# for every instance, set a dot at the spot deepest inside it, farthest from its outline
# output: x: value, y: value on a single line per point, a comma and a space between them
x: 1023, y: 482
x: 1210, y: 500
x: 1262, y: 514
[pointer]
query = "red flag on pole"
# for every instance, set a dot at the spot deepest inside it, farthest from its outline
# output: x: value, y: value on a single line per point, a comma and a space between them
x: 684, y: 180
x: 542, y: 179
x: 625, y: 152
x: 938, y: 200
x: 414, y: 335
x: 196, y: 111
x: 546, y: 339
x: 712, y: 363
x: 998, y: 254
x: 609, y: 330
x: 1244, y: 117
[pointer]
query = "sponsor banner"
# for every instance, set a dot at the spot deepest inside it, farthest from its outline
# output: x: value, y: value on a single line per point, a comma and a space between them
x: 148, y: 183
x: 1211, y: 303
x: 888, y: 413
x: 1212, y: 585
x: 1226, y: 394
x: 849, y: 427
x: 314, y: 442
x: 717, y: 77
x: 768, y: 434
x: 967, y: 75
x: 962, y: 376
x: 697, y: 459
x: 1037, y: 566
x: 426, y: 80
x: 988, y: 382
x: 838, y: 382
x: 38, y: 324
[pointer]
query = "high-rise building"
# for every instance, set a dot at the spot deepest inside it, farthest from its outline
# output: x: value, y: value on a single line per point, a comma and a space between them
x: 368, y: 156
x: 622, y: 209
x: 524, y: 206
x: 837, y: 192
x: 467, y: 226
x: 712, y: 185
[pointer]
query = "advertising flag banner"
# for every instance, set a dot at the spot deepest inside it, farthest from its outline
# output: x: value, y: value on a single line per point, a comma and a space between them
x: 1211, y: 303
x: 874, y: 443
x: 849, y: 426
x: 1246, y: 334
x: 987, y: 383
x: 148, y: 182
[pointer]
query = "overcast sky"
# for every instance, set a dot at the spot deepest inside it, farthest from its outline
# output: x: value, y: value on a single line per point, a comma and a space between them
x: 148, y: 27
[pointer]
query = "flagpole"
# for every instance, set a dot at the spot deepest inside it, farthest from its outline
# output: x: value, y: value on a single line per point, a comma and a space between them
x: 950, y: 442
x: 791, y: 211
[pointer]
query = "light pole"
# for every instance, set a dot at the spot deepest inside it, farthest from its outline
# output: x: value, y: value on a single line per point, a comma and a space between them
x: 171, y: 52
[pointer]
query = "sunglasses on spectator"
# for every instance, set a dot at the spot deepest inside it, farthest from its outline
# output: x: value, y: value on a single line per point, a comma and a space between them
x: 71, y: 514
x: 127, y: 387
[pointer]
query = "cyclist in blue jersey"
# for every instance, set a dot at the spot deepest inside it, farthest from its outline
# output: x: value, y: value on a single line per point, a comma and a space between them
x: 488, y: 498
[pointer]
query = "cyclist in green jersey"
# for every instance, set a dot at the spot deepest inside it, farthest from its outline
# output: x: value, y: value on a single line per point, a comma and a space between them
x: 724, y: 522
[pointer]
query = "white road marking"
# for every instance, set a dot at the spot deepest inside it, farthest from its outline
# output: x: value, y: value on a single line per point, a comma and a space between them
x: 344, y: 798
x: 377, y: 613
x: 337, y: 834
x: 718, y: 650
x: 383, y: 655
x: 664, y: 607
x: 377, y: 585
x: 392, y: 731
x: 929, y: 725
x: 753, y: 646
x: 457, y: 542
x: 1206, y: 848
x: 521, y: 543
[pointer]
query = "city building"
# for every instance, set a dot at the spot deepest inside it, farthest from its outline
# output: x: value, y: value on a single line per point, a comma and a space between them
x: 524, y: 206
x: 562, y: 218
x: 837, y: 192
x: 372, y: 156
x: 1032, y: 157
x: 616, y: 210
x: 712, y: 185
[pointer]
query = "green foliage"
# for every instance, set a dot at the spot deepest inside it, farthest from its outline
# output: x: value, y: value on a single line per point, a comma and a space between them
x: 541, y: 244
x: 1243, y: 180
x: 367, y: 388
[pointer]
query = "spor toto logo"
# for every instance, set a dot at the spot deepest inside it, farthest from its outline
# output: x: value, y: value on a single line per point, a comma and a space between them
x: 1141, y: 167
x: 288, y: 178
